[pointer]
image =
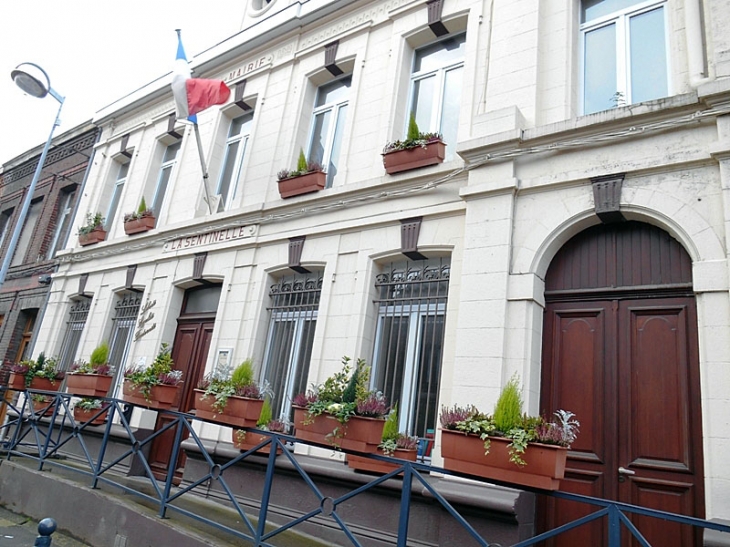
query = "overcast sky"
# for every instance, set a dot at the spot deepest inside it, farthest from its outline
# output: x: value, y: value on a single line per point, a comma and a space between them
x: 95, y: 52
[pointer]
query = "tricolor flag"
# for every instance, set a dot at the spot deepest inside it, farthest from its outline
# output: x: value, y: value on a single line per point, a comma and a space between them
x: 192, y: 95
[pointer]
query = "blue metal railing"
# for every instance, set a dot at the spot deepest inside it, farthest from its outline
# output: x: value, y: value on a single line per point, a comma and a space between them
x: 27, y: 432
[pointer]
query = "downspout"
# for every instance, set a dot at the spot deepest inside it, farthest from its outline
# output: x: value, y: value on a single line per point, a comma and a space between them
x: 696, y: 56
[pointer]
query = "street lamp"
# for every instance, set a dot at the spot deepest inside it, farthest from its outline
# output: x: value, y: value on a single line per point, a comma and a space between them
x: 35, y: 82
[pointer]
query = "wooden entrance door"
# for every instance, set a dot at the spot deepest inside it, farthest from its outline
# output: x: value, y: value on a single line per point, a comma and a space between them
x: 190, y: 351
x: 625, y: 360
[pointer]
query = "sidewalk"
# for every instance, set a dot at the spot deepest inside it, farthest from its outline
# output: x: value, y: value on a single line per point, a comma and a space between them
x: 20, y: 531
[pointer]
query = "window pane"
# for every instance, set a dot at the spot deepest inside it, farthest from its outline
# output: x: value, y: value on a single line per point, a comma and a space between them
x: 228, y: 170
x: 600, y: 69
x: 31, y: 220
x: 203, y: 300
x: 423, y: 98
x: 4, y: 225
x: 336, y: 145
x: 333, y: 92
x: 161, y: 189
x: 429, y: 374
x: 439, y: 54
x: 114, y: 204
x: 171, y: 152
x: 593, y: 9
x: 450, y: 110
x: 648, y: 56
x: 390, y: 357
x: 282, y: 338
x: 319, y: 136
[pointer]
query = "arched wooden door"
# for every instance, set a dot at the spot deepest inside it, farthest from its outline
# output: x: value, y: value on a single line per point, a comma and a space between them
x: 620, y: 350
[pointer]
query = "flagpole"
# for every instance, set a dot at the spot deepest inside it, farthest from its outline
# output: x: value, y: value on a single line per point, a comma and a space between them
x: 203, y: 167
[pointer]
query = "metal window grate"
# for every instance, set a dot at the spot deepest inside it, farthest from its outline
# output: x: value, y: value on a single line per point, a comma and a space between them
x: 124, y: 321
x: 409, y: 340
x: 74, y: 327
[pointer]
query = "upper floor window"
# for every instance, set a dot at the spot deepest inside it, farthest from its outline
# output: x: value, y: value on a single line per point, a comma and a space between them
x: 236, y: 145
x: 5, y: 226
x: 436, y: 88
x: 168, y: 163
x: 328, y: 123
x: 121, y: 178
x: 64, y: 217
x: 625, y: 57
x: 26, y: 236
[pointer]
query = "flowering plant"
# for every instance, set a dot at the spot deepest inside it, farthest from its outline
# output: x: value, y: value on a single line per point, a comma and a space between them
x: 88, y: 404
x: 303, y: 167
x: 221, y: 384
x: 413, y: 139
x: 160, y: 372
x: 43, y: 367
x: 93, y: 222
x: 510, y: 422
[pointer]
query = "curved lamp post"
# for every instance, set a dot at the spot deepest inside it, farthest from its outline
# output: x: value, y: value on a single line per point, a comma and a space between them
x: 35, y: 82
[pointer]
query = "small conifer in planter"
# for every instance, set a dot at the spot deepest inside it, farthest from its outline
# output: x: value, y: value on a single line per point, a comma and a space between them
x: 309, y: 176
x: 417, y: 150
x: 92, y: 379
x: 234, y: 400
x: 140, y: 221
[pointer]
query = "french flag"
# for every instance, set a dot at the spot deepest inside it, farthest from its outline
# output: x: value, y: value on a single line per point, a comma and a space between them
x: 193, y: 95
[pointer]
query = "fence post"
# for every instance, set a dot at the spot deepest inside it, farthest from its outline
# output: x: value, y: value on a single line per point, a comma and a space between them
x: 46, y: 527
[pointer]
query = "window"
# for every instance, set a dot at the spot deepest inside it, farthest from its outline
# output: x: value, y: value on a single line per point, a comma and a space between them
x: 625, y: 57
x: 125, y: 318
x: 34, y: 212
x: 111, y: 211
x: 28, y: 317
x: 5, y: 226
x: 74, y: 327
x: 328, y: 123
x: 411, y: 300
x: 168, y: 163
x: 236, y: 144
x: 436, y: 88
x: 294, y: 304
x: 63, y: 221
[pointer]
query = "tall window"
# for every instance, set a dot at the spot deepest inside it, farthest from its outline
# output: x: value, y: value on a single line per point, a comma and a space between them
x: 63, y: 221
x: 125, y: 318
x: 236, y: 144
x: 168, y: 162
x: 294, y: 304
x: 74, y: 327
x: 328, y: 124
x: 409, y: 338
x: 5, y: 226
x: 111, y: 211
x: 28, y: 317
x: 34, y: 212
x: 436, y: 88
x: 625, y: 57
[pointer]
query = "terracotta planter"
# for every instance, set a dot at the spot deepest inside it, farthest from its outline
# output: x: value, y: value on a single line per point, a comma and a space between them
x: 16, y: 381
x: 360, y: 463
x: 84, y: 416
x: 412, y: 158
x: 88, y: 385
x: 545, y: 464
x: 239, y: 411
x: 250, y: 440
x: 359, y: 434
x: 142, y: 224
x: 44, y: 407
x: 44, y: 384
x: 95, y: 236
x: 302, y: 184
x: 161, y: 396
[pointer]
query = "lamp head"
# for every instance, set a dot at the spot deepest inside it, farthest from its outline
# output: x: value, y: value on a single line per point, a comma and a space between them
x: 32, y: 79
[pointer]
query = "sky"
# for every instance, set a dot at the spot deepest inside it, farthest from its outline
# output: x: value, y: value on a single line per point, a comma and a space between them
x: 95, y: 52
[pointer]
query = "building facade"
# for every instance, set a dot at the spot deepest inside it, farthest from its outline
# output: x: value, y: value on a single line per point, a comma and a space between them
x: 575, y: 232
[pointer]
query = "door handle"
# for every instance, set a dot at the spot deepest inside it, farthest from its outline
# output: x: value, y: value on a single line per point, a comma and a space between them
x: 624, y: 471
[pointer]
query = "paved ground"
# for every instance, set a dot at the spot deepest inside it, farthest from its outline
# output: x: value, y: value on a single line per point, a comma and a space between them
x: 20, y: 531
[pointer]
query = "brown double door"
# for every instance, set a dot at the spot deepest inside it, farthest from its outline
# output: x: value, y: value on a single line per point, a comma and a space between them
x: 626, y: 363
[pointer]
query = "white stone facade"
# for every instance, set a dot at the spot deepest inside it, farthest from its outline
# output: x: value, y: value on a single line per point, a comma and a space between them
x: 517, y: 190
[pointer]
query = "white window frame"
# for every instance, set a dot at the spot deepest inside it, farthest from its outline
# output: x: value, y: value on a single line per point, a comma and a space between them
x: 242, y: 138
x: 621, y: 18
x: 65, y: 211
x: 160, y: 191
x: 336, y: 108
x: 119, y: 183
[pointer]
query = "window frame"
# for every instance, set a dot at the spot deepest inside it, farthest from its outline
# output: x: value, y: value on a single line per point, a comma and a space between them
x: 64, y: 218
x: 243, y: 140
x: 622, y: 20
x: 115, y: 199
x: 158, y: 198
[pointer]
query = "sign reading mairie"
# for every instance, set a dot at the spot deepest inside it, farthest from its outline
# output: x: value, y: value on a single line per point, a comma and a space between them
x: 208, y: 238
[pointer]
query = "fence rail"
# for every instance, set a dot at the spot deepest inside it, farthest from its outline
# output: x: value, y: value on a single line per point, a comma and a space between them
x: 41, y: 431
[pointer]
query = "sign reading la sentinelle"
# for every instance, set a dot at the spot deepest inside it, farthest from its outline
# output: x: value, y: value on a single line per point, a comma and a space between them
x: 208, y: 238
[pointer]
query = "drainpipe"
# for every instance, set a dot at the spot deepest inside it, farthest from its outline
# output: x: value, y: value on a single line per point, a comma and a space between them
x: 696, y: 58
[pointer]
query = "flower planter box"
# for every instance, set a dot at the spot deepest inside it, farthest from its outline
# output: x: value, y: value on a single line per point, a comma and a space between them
x: 161, y: 396
x: 360, y: 463
x: 545, y: 464
x: 44, y: 384
x: 359, y: 433
x: 413, y: 158
x: 250, y: 440
x: 16, y: 381
x: 85, y: 416
x: 239, y: 411
x: 302, y: 184
x: 95, y: 236
x: 88, y: 385
x: 44, y: 407
x: 138, y: 225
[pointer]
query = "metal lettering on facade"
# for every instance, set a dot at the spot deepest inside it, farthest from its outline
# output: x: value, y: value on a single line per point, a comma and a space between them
x: 208, y: 238
x: 144, y: 318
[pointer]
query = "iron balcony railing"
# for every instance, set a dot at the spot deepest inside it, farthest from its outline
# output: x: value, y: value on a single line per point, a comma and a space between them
x: 30, y: 433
